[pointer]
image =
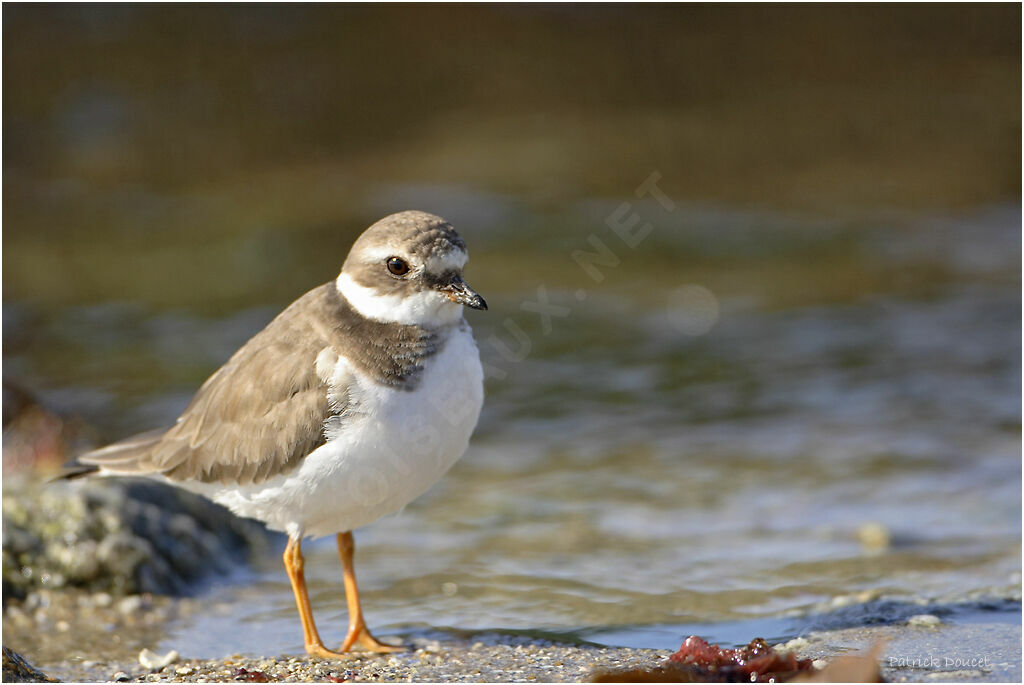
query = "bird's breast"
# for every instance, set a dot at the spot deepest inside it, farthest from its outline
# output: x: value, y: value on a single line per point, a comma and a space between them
x: 390, y: 445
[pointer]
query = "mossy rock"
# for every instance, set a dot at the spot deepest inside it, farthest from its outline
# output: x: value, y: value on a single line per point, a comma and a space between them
x: 122, y: 536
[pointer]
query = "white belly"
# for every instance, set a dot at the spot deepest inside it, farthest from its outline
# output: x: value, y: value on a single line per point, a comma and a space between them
x: 394, y: 446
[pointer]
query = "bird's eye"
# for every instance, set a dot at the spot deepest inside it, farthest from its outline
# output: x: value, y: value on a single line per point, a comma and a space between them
x: 398, y: 266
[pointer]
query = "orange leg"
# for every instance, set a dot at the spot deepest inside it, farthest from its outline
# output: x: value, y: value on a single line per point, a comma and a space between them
x: 358, y: 634
x: 293, y: 564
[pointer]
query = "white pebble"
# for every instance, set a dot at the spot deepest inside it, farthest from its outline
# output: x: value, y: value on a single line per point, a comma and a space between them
x: 793, y: 645
x: 154, y: 662
x: 130, y: 604
x: 874, y: 536
x: 927, y: 620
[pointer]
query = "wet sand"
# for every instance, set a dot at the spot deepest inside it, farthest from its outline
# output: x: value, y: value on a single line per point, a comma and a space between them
x: 980, y: 646
x: 500, y: 659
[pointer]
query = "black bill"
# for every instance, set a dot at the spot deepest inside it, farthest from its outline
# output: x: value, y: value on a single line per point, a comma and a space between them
x: 459, y: 292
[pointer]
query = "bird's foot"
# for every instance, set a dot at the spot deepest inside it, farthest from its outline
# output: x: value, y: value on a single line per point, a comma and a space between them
x: 321, y: 652
x: 360, y: 640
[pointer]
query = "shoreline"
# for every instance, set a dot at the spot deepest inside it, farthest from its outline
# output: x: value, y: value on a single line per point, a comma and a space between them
x: 982, y: 646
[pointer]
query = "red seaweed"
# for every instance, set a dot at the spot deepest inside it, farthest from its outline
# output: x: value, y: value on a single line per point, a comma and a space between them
x: 246, y: 675
x: 698, y: 662
x: 757, y: 662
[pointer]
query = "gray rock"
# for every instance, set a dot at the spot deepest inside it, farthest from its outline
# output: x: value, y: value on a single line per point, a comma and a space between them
x: 121, y: 536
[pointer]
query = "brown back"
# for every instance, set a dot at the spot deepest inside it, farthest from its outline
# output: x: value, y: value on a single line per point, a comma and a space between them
x: 262, y: 412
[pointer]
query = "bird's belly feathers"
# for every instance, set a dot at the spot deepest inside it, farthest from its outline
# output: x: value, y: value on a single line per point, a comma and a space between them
x: 390, y: 449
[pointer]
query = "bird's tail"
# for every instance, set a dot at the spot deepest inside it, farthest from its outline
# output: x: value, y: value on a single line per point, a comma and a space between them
x: 128, y: 457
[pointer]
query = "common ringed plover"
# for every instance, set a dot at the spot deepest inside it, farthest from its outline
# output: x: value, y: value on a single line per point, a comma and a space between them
x: 346, y: 407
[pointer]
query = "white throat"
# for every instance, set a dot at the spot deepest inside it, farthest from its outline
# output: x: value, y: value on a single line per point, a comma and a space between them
x: 424, y: 308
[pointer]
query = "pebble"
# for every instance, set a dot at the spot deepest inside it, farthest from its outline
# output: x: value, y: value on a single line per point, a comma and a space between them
x: 924, y: 620
x: 130, y: 604
x: 154, y: 662
x: 794, y: 645
x: 862, y: 597
x: 875, y: 537
x: 842, y: 601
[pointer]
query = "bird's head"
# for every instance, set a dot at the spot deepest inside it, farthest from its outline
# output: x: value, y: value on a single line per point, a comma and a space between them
x: 407, y: 268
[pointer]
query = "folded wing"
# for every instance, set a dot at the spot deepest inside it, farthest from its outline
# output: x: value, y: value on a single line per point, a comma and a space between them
x: 257, y: 417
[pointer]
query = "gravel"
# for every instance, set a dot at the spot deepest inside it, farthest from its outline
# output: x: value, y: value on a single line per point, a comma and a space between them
x: 481, y: 660
x: 95, y: 637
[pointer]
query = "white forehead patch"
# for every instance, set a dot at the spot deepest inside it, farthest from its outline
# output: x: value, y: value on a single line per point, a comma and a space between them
x: 450, y: 260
